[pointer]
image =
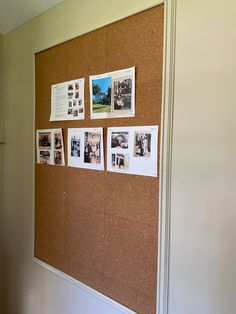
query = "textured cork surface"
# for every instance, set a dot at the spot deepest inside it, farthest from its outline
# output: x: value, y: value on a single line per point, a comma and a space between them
x: 99, y: 227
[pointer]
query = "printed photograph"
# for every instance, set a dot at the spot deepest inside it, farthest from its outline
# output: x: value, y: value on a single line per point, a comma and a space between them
x: 58, y: 140
x: 70, y: 104
x: 75, y: 146
x: 77, y: 95
x: 58, y: 158
x: 74, y: 103
x: 120, y: 162
x: 80, y: 102
x: 70, y: 87
x: 81, y: 110
x: 102, y: 95
x: 70, y: 95
x: 142, y: 146
x: 70, y: 111
x: 44, y: 140
x: 119, y: 139
x: 75, y: 113
x: 44, y: 157
x: 122, y: 89
x: 92, y: 147
x: 76, y: 86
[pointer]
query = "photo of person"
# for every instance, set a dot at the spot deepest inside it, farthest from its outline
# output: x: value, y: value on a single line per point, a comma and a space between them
x: 122, y: 89
x: 70, y: 87
x: 75, y: 113
x: 44, y: 140
x: 70, y: 104
x: 119, y: 139
x: 58, y: 140
x: 75, y: 146
x: 120, y: 162
x: 58, y: 158
x: 79, y: 102
x: 70, y: 95
x: 92, y: 147
x: 77, y: 95
x: 81, y: 110
x: 44, y: 157
x: 142, y: 142
x: 76, y: 86
x: 101, y: 93
x: 74, y: 103
x: 70, y: 111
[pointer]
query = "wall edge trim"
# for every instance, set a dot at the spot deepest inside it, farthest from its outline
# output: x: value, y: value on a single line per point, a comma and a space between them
x: 166, y: 157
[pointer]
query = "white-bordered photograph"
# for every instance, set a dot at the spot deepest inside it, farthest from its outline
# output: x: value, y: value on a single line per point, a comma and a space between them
x: 122, y: 94
x: 112, y: 94
x: 133, y: 150
x: 64, y: 97
x: 85, y: 148
x: 120, y: 162
x: 75, y: 146
x: 44, y: 140
x: 120, y: 140
x: 50, y: 147
x: 44, y: 157
x: 142, y: 144
x: 92, y: 147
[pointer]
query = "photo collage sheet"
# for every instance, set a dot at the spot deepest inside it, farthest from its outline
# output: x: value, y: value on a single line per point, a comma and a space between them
x: 131, y: 150
x: 67, y: 101
x: 50, y: 147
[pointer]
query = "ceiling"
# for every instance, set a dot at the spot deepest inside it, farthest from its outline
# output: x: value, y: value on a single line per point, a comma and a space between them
x: 14, y: 13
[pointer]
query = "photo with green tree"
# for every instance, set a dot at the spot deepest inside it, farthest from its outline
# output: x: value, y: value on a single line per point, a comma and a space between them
x: 102, y: 94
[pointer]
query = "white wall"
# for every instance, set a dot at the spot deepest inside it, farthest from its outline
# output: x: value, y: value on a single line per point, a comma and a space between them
x: 203, y: 249
x: 29, y: 288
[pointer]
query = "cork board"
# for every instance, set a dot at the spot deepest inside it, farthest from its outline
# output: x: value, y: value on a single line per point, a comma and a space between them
x: 100, y: 227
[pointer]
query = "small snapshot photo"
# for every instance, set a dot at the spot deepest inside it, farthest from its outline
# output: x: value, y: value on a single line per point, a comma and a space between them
x: 79, y: 102
x: 77, y: 95
x: 92, y: 147
x: 76, y: 86
x: 120, y: 162
x: 119, y: 139
x: 58, y: 140
x: 74, y: 103
x: 44, y: 140
x: 75, y: 113
x: 70, y: 104
x: 70, y: 111
x: 58, y: 158
x: 101, y: 94
x: 75, y: 146
x: 142, y: 143
x: 70, y: 95
x: 81, y: 110
x: 122, y: 94
x: 70, y: 87
x: 44, y: 157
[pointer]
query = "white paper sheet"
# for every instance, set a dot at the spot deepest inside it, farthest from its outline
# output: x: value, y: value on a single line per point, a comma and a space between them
x: 112, y: 95
x: 133, y: 150
x: 67, y: 101
x: 85, y: 148
x: 50, y: 147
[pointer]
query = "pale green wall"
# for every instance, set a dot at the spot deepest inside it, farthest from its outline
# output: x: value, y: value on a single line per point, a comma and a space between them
x: 1, y: 164
x: 28, y: 288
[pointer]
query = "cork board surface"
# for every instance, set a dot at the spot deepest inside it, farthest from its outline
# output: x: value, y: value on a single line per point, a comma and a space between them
x: 100, y: 227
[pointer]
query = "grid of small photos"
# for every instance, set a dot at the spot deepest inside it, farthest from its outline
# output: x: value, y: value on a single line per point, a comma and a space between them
x: 131, y: 150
